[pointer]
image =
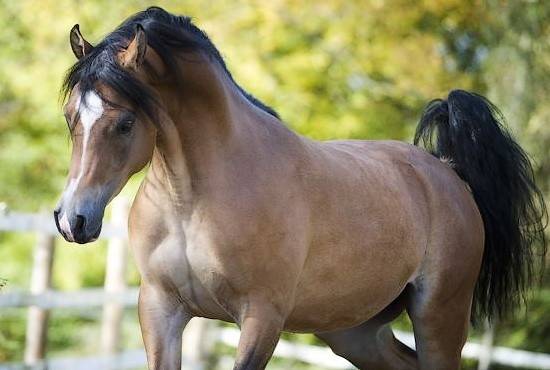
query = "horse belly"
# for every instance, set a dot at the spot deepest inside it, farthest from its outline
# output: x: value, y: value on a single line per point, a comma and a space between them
x: 346, y: 282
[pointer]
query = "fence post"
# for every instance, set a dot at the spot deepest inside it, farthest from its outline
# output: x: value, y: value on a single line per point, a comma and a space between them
x: 37, y: 319
x: 197, y: 344
x: 115, y: 280
x: 486, y: 348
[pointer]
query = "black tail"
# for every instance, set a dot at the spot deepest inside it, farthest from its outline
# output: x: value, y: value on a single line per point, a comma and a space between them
x: 467, y: 130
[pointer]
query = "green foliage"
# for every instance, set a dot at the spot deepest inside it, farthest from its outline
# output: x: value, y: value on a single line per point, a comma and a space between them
x: 71, y: 333
x: 11, y: 336
x: 16, y: 249
x: 333, y: 69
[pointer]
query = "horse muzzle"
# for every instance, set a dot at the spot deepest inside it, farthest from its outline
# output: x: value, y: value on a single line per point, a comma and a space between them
x: 79, y: 217
x: 80, y: 227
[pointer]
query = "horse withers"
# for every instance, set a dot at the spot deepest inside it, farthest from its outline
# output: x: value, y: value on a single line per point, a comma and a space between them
x: 242, y: 220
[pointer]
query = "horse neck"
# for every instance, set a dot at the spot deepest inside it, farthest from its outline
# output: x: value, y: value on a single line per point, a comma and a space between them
x: 206, y: 117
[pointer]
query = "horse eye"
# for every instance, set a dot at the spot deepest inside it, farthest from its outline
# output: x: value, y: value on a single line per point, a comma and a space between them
x: 125, y: 125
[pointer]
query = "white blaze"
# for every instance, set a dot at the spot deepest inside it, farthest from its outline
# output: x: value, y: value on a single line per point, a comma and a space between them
x: 90, y: 109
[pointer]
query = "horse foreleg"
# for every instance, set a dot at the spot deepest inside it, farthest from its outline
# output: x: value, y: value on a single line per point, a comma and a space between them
x: 260, y: 330
x: 162, y: 321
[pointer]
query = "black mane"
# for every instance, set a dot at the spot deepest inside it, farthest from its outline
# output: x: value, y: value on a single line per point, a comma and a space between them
x: 166, y: 34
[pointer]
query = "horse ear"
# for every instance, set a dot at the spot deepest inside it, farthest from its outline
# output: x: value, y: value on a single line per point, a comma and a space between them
x: 80, y: 46
x: 134, y: 55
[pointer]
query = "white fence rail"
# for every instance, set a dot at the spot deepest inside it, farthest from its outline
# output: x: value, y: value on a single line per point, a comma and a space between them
x: 47, y: 299
x: 85, y: 298
x: 315, y: 355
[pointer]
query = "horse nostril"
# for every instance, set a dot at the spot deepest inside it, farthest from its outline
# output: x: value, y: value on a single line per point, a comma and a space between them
x: 56, y: 218
x: 79, y: 225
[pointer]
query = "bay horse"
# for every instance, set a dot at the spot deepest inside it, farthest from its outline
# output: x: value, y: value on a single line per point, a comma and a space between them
x: 242, y: 220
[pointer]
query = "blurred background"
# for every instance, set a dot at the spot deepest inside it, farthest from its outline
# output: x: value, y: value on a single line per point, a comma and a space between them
x: 332, y: 69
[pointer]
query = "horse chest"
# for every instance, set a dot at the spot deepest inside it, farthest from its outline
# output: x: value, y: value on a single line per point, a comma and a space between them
x: 181, y: 267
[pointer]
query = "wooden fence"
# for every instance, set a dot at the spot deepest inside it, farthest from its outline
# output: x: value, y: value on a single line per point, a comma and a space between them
x: 200, y: 335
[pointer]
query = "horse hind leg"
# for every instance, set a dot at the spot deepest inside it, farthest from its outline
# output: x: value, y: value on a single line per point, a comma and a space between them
x: 440, y: 325
x: 372, y: 345
x: 440, y: 332
x: 439, y: 305
x: 440, y: 299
